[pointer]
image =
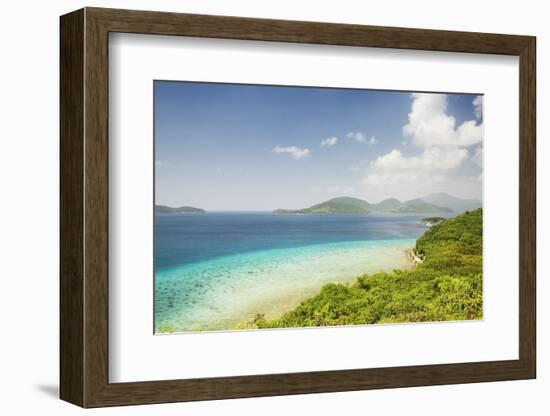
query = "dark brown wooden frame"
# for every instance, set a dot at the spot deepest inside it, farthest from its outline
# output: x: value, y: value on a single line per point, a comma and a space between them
x: 84, y: 207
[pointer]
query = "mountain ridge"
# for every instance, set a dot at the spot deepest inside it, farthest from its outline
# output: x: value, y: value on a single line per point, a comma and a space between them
x: 453, y: 202
x: 351, y: 205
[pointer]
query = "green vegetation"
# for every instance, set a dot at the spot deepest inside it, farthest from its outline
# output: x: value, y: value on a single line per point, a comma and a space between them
x: 446, y: 286
x: 431, y: 220
x: 342, y: 205
x: 163, y: 209
x: 388, y: 205
x: 348, y: 205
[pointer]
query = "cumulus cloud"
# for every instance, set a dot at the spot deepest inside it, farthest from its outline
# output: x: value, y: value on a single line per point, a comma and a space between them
x: 394, y: 167
x: 430, y: 125
x: 361, y: 137
x: 357, y: 136
x: 329, y: 142
x: 294, y: 151
x: 443, y: 146
x: 478, y: 106
x: 477, y: 157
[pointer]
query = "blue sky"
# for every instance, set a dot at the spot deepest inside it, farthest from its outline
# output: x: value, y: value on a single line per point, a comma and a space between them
x: 246, y: 147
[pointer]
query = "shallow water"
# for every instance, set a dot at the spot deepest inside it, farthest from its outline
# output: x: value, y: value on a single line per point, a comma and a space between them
x: 216, y: 271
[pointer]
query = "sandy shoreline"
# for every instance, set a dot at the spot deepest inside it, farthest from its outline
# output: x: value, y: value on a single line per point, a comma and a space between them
x: 281, y: 305
x: 230, y: 292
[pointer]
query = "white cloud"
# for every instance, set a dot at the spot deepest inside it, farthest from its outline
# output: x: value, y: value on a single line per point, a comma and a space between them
x: 478, y: 106
x: 430, y: 125
x: 477, y: 157
x: 357, y: 136
x: 443, y: 149
x: 329, y: 142
x: 295, y: 152
x: 361, y: 137
x: 394, y: 167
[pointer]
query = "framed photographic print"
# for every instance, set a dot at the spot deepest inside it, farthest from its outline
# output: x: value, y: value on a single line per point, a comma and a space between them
x: 255, y: 207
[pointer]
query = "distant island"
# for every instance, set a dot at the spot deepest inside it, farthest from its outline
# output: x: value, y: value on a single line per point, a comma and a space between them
x: 431, y: 221
x: 164, y: 209
x: 349, y: 205
x: 458, y: 205
x: 439, y: 203
x: 342, y: 205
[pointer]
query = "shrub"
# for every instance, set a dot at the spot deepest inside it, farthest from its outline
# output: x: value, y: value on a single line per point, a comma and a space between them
x: 446, y: 286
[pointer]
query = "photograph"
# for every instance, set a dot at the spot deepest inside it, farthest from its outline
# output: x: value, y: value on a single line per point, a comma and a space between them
x: 294, y: 207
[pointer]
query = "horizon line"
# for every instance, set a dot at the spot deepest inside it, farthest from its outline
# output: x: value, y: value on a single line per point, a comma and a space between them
x: 325, y: 200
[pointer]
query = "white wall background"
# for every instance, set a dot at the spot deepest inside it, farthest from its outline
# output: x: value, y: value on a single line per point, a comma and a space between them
x: 29, y: 83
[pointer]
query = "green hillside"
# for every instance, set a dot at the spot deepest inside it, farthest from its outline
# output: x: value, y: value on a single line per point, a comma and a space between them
x: 388, y: 205
x: 163, y: 209
x: 342, y: 205
x: 349, y: 205
x: 446, y: 285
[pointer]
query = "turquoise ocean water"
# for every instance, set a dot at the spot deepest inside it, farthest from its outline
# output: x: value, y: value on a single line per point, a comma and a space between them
x: 216, y: 271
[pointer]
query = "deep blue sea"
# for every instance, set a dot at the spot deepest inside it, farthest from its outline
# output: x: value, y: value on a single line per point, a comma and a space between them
x: 215, y: 270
